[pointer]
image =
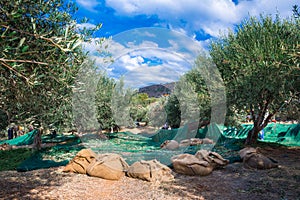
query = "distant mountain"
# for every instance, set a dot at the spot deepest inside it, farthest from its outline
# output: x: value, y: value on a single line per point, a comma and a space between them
x: 158, y: 90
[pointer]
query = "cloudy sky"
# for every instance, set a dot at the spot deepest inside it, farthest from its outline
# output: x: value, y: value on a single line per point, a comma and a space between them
x: 156, y: 41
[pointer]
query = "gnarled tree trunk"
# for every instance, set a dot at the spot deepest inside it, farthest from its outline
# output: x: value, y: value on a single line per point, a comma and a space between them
x: 252, y: 136
x: 259, y: 123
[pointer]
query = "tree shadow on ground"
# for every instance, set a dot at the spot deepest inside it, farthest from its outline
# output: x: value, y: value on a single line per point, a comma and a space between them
x: 31, y: 184
x: 236, y: 182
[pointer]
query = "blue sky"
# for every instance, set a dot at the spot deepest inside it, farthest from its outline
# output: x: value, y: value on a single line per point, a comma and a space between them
x: 156, y: 41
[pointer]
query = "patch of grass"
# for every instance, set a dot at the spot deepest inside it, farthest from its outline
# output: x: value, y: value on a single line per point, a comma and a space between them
x: 11, y: 159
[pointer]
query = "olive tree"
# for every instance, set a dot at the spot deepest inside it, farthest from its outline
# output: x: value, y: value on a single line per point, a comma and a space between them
x: 41, y: 53
x: 173, y: 112
x: 139, y: 107
x: 259, y: 67
x: 121, y: 101
x: 104, y: 93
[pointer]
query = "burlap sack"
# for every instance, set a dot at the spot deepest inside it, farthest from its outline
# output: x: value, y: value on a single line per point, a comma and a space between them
x: 185, y: 143
x: 81, y: 161
x: 213, y: 158
x: 151, y: 171
x: 248, y: 150
x: 195, y: 142
x: 207, y: 141
x: 252, y: 158
x: 108, y: 166
x: 170, y: 145
x: 5, y: 146
x: 190, y: 165
x: 190, y: 142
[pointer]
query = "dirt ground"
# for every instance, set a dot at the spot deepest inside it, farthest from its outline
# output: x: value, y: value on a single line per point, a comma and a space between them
x: 232, y: 182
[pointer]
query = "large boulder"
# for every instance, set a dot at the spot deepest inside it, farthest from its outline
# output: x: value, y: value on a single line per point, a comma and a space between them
x: 81, y: 161
x: 170, y: 145
x: 108, y: 166
x: 253, y: 158
x: 151, y: 171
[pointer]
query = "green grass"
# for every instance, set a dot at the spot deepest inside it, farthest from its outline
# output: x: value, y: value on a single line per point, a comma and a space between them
x: 11, y: 159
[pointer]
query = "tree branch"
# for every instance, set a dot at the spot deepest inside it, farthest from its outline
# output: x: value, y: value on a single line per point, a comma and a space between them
x: 267, y: 120
x: 23, y: 61
x: 36, y: 36
x: 252, y: 113
x: 18, y: 73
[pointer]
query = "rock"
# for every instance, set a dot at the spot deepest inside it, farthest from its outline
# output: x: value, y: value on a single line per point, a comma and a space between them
x: 151, y: 171
x: 170, y: 145
x: 252, y: 158
x: 108, y: 166
x: 81, y: 161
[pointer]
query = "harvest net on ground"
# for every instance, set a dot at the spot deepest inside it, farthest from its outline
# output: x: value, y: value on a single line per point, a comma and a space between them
x: 26, y: 139
x: 134, y: 147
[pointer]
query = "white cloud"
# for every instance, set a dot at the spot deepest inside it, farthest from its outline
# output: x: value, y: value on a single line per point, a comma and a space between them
x: 88, y: 4
x: 144, y: 44
x: 86, y: 25
x: 149, y: 34
x: 130, y: 63
x: 209, y: 15
x: 144, y: 76
x: 138, y: 40
x: 158, y: 56
x: 139, y: 72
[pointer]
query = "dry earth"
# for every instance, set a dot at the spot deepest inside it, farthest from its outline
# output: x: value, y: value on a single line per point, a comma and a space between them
x: 232, y: 182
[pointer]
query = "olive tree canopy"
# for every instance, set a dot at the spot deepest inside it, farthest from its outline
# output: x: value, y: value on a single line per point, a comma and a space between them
x: 259, y: 63
x: 41, y: 53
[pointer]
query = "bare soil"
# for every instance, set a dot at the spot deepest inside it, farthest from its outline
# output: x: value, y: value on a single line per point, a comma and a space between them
x: 232, y: 182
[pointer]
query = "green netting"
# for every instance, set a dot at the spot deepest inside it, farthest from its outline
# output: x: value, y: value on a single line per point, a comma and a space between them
x: 58, y: 138
x: 131, y: 147
x: 134, y: 147
x: 38, y: 162
x: 25, y: 139
x: 232, y: 132
x: 174, y: 134
x: 202, y: 132
x: 163, y: 135
x: 184, y: 133
x: 58, y: 155
x: 214, y: 132
x: 285, y: 134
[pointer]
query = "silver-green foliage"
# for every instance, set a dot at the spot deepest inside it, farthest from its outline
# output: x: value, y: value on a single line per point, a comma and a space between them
x: 103, y: 101
x: 259, y: 66
x: 41, y: 53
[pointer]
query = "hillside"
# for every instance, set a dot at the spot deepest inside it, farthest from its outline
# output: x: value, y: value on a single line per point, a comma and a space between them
x: 158, y: 90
